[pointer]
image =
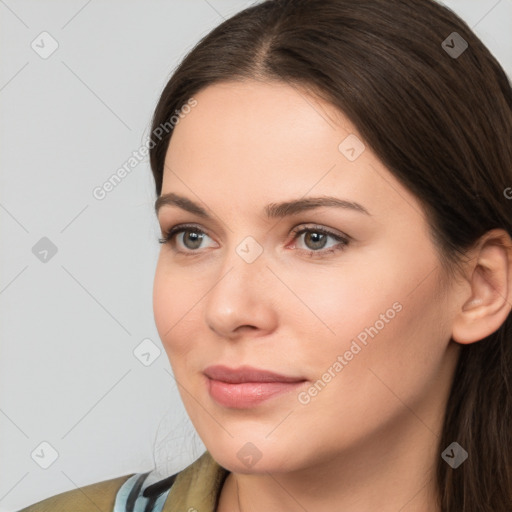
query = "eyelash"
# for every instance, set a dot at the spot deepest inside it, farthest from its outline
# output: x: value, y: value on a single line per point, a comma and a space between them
x: 343, y: 241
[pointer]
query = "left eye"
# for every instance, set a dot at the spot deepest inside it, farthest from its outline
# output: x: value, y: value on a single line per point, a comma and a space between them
x: 316, y: 238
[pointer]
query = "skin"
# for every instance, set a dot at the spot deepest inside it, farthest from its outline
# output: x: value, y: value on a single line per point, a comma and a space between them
x: 368, y: 440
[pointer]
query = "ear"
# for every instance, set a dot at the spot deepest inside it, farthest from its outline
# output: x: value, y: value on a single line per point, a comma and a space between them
x: 486, y: 307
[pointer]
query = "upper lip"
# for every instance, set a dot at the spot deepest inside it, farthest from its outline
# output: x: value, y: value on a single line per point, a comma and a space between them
x: 246, y: 374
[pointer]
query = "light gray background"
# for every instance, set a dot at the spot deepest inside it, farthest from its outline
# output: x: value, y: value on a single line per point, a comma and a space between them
x: 69, y: 326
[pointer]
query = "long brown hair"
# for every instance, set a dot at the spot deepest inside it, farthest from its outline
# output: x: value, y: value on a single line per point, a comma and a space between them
x: 440, y: 122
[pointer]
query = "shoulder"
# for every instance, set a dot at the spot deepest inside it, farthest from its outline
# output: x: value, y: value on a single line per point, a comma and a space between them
x: 198, y: 483
x: 96, y: 497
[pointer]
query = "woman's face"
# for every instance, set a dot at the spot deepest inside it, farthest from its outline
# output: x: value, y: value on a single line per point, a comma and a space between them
x: 363, y: 324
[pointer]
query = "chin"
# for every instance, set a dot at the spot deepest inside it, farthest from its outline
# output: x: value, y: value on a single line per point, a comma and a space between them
x: 251, y: 457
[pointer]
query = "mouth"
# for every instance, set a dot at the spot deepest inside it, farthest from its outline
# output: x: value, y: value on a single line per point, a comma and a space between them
x: 246, y: 386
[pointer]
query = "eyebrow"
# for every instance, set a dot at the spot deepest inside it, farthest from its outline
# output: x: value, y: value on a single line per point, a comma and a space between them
x: 272, y: 210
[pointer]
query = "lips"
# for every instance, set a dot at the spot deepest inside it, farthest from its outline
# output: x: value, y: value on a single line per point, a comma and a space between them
x: 246, y: 374
x: 246, y: 387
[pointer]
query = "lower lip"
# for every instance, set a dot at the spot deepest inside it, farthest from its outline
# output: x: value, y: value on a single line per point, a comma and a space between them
x: 247, y: 394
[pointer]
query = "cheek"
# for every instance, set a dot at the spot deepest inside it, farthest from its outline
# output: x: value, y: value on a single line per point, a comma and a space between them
x: 382, y: 379
x: 384, y: 316
x: 338, y: 303
x: 173, y: 307
x: 393, y: 342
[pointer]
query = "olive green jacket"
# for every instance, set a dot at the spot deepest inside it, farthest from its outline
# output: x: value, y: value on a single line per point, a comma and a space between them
x: 197, y: 487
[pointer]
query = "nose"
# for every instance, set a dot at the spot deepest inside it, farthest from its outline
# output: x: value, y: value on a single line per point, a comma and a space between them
x: 242, y: 301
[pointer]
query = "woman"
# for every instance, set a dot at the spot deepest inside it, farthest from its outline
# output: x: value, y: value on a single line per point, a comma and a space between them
x: 334, y: 287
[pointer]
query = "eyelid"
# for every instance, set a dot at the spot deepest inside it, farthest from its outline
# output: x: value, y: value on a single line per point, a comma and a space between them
x: 302, y: 225
x: 343, y: 239
x: 170, y: 234
x: 311, y: 226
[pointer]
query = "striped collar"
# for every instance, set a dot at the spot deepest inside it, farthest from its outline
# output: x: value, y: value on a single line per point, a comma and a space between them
x: 194, y: 489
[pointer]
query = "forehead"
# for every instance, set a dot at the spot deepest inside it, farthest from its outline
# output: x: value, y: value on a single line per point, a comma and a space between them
x: 256, y: 142
x: 258, y: 121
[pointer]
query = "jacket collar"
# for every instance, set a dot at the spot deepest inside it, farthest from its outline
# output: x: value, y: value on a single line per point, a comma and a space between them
x: 197, y: 486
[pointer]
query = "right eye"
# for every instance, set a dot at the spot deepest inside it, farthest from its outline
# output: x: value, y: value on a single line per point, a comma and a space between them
x: 193, y: 236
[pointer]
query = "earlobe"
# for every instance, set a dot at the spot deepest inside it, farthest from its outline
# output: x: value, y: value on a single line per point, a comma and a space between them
x: 490, y: 301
